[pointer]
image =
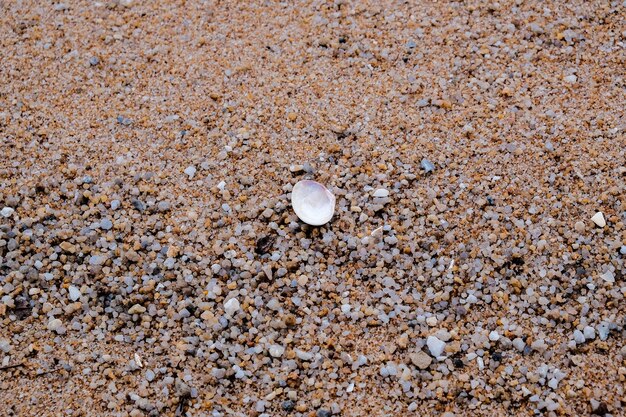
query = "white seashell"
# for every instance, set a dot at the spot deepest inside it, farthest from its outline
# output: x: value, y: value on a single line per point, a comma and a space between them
x: 312, y: 202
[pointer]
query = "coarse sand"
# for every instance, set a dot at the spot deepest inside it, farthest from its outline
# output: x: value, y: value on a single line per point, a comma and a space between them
x: 151, y: 263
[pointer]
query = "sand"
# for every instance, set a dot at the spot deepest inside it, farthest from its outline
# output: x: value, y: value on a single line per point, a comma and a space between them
x: 151, y: 263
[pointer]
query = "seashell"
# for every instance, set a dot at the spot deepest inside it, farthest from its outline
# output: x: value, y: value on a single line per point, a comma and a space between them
x: 312, y: 202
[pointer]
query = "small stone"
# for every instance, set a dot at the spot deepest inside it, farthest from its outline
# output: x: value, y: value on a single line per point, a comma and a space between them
x: 74, y: 293
x: 163, y: 206
x: 276, y: 351
x: 599, y: 408
x: 518, y: 343
x: 427, y: 165
x: 137, y: 309
x: 125, y: 121
x: 603, y: 331
x: 622, y: 250
x: 287, y: 405
x: 150, y: 375
x: 494, y: 336
x: 7, y: 212
x: 115, y: 204
x: 608, y: 276
x: 553, y: 383
x: 598, y: 219
x: 570, y: 79
x: 579, y: 337
x: 54, y: 325
x: 579, y: 227
x: 435, y: 346
x: 231, y: 307
x: 67, y: 247
x: 190, y: 171
x: 381, y: 192
x: 5, y: 345
x: 589, y: 332
x: 323, y: 413
x: 106, y: 224
x: 421, y: 359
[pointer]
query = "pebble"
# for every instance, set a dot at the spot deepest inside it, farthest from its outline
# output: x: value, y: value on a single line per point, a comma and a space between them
x: 427, y: 166
x: 421, y: 359
x: 494, y: 336
x: 190, y: 171
x: 124, y: 121
x: 150, y: 375
x: 579, y: 227
x: 570, y: 79
x: 589, y: 332
x: 622, y: 250
x: 56, y: 325
x: 276, y: 351
x: 137, y: 309
x: 106, y: 224
x: 518, y: 343
x: 435, y: 346
x: 115, y: 204
x: 5, y: 345
x: 608, y: 276
x: 381, y: 192
x: 287, y: 405
x: 74, y: 293
x: 231, y: 307
x: 579, y: 337
x: 598, y: 219
x: 603, y: 331
x: 7, y: 212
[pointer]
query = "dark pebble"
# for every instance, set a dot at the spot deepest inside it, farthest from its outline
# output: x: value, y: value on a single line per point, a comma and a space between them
x: 288, y: 405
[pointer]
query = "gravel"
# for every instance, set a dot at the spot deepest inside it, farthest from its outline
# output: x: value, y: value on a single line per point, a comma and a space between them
x: 151, y: 262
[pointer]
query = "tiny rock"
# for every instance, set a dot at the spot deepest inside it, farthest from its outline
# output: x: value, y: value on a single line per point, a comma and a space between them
x: 137, y: 309
x: 598, y: 219
x: 231, y: 306
x: 7, y: 212
x: 381, y: 192
x: 421, y: 359
x: 435, y: 346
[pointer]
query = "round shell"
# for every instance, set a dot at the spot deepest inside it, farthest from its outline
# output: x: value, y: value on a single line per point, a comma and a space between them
x: 312, y: 202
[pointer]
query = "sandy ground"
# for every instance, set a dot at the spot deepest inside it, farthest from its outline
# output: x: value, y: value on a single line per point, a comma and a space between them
x: 148, y: 153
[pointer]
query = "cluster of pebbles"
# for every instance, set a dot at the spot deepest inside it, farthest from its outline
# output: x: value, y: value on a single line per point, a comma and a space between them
x: 151, y: 262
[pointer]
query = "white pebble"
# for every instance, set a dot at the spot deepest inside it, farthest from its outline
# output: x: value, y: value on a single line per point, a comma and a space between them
x: 579, y: 337
x: 381, y: 192
x: 608, y: 276
x: 435, y: 346
x: 7, y: 212
x: 570, y: 79
x: 494, y: 336
x: 190, y: 170
x: 598, y: 219
x: 74, y: 293
x: 276, y: 351
x: 589, y: 332
x: 603, y: 331
x: 231, y: 306
x: 55, y: 325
